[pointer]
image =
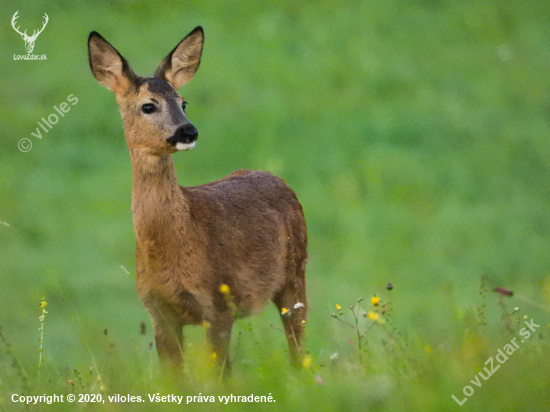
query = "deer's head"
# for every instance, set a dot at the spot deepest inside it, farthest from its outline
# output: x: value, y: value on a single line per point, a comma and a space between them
x: 152, y: 111
x: 29, y: 40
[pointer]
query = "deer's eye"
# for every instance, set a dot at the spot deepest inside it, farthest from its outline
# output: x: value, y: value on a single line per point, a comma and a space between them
x: 148, y: 108
x: 183, y: 105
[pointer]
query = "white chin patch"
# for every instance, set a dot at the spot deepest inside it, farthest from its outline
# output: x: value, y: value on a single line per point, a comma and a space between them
x: 184, y: 146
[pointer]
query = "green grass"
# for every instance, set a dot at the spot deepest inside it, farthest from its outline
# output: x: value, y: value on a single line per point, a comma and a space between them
x: 416, y: 135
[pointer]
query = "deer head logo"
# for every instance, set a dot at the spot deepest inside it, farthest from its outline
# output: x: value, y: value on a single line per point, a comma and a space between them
x: 29, y: 40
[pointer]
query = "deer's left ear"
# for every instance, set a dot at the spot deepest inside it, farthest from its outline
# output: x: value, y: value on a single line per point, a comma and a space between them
x: 108, y: 66
x: 181, y: 64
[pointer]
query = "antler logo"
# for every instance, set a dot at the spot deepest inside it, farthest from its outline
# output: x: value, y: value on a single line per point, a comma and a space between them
x: 29, y: 40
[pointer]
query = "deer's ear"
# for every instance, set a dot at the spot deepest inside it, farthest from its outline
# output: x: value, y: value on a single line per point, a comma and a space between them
x: 181, y: 64
x: 108, y: 66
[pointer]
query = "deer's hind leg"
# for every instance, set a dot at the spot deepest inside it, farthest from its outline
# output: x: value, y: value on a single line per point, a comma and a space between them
x: 219, y: 336
x: 292, y: 304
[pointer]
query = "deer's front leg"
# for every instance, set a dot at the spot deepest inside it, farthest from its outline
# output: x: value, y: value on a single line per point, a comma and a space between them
x: 169, y: 341
x: 168, y: 335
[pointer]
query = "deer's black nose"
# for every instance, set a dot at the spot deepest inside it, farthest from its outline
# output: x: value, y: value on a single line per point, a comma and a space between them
x: 188, y: 132
x: 184, y: 134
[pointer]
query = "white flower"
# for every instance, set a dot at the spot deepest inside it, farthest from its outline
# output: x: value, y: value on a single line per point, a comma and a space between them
x: 298, y: 305
x: 334, y: 356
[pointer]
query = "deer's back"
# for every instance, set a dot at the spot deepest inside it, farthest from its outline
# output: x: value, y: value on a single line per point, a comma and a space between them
x: 254, y: 233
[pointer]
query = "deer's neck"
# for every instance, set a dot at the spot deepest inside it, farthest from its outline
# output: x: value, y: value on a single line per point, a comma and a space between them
x: 161, y: 211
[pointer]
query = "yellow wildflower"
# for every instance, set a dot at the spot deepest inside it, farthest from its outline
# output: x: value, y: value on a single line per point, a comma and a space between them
x: 214, y: 355
x: 338, y: 306
x: 373, y: 316
x: 284, y: 311
x: 307, y: 361
x: 224, y: 289
x: 375, y: 300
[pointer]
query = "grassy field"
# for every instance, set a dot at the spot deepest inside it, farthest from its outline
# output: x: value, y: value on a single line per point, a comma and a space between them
x: 417, y: 137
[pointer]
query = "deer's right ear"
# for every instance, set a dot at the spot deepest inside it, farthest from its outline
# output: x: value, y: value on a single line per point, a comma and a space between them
x: 108, y: 66
x: 181, y: 64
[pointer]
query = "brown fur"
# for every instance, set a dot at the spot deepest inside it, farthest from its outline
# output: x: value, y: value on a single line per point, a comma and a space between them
x: 246, y: 230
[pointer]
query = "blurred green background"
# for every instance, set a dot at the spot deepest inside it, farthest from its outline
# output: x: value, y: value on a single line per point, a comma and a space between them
x: 415, y: 133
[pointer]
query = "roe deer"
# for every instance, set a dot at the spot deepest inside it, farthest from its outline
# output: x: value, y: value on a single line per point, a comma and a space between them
x: 208, y: 253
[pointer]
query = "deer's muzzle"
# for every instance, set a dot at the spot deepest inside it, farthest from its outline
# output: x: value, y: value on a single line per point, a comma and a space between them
x: 185, y: 137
